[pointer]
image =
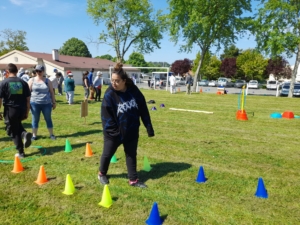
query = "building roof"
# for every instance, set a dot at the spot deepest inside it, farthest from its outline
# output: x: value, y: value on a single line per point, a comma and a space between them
x: 25, y: 66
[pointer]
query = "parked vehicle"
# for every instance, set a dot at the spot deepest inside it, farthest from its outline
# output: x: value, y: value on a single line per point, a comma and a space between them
x: 225, y: 82
x: 212, y: 83
x: 203, y: 83
x: 272, y: 84
x: 285, y: 88
x: 240, y: 83
x: 253, y: 84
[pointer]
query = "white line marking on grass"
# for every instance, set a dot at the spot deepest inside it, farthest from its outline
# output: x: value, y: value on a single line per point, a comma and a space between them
x: 188, y: 110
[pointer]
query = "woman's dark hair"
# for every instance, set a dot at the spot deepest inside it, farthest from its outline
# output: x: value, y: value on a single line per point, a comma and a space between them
x: 118, y: 69
x: 84, y: 74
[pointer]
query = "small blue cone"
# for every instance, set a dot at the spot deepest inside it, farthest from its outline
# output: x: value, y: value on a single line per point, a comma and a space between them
x: 201, y: 177
x: 261, y: 191
x: 153, y: 108
x: 154, y: 218
x: 162, y: 105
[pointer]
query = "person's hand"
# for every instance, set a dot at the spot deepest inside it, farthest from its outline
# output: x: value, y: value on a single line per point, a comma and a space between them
x: 150, y: 131
x: 53, y: 105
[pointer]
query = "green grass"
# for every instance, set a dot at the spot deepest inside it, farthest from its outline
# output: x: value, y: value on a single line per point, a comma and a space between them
x: 234, y: 154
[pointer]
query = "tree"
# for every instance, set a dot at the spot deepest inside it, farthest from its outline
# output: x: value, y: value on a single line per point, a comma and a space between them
x: 207, y: 23
x: 228, y: 67
x: 12, y: 40
x: 129, y: 23
x: 212, y: 69
x: 107, y: 56
x: 181, y: 66
x: 231, y: 52
x: 277, y: 30
x: 252, y: 64
x: 75, y: 47
x: 137, y: 59
x: 279, y: 67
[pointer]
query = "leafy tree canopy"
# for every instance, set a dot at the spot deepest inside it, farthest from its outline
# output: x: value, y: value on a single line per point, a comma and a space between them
x: 137, y: 59
x: 75, y: 47
x: 12, y: 40
x: 129, y: 23
x: 279, y: 67
x: 181, y: 66
x: 231, y: 52
x: 252, y: 64
x: 107, y: 56
x: 228, y: 67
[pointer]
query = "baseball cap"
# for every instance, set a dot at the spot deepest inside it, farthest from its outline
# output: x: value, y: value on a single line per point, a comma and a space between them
x: 69, y: 71
x: 70, y: 74
x: 39, y: 67
x: 55, y: 70
x: 99, y: 73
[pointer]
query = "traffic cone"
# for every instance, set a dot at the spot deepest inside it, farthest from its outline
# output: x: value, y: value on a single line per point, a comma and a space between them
x: 88, y: 150
x: 153, y: 108
x: 154, y: 218
x: 201, y: 177
x: 114, y: 159
x: 69, y: 187
x: 147, y: 166
x: 178, y: 89
x: 42, y: 178
x: 261, y: 191
x: 106, y: 200
x: 18, y: 168
x: 68, y: 147
x: 201, y: 90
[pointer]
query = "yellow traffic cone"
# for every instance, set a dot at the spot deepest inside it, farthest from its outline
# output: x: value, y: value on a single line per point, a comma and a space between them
x: 69, y: 187
x: 106, y: 200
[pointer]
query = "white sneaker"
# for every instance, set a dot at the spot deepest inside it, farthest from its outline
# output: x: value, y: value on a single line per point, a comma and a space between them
x: 20, y: 155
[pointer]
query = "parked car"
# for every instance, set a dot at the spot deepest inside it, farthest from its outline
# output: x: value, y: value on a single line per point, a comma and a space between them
x: 180, y: 81
x: 212, y: 83
x: 272, y: 84
x: 285, y: 88
x: 253, y: 84
x: 225, y: 82
x: 240, y: 83
x: 203, y: 83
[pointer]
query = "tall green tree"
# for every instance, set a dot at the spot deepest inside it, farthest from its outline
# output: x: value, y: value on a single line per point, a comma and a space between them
x: 230, y: 52
x: 12, y: 40
x: 205, y: 62
x: 207, y: 23
x: 106, y: 56
x: 252, y: 64
x: 129, y: 23
x: 75, y: 47
x: 137, y: 60
x: 212, y: 70
x: 277, y: 30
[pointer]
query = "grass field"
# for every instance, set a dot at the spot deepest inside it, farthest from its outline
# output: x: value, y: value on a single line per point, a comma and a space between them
x: 234, y: 154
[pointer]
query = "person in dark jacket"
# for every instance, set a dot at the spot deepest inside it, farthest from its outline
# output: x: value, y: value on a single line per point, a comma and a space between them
x: 122, y: 107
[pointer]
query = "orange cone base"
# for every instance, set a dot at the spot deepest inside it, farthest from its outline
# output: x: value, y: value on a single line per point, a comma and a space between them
x: 41, y: 182
x: 241, y: 115
x: 220, y: 93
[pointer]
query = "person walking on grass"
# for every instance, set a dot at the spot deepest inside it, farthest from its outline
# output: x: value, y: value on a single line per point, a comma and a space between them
x: 122, y: 107
x: 70, y: 88
x: 172, y: 84
x: 15, y: 96
x: 97, y: 83
x: 86, y: 85
x: 188, y: 82
x: 42, y: 101
x: 60, y: 80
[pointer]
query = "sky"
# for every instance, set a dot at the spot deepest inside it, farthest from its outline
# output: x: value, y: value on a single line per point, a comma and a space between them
x: 50, y: 23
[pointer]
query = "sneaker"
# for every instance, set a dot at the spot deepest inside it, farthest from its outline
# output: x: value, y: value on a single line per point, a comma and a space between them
x: 20, y: 155
x: 137, y: 183
x: 52, y: 137
x: 27, y: 139
x: 103, y: 179
x: 34, y: 138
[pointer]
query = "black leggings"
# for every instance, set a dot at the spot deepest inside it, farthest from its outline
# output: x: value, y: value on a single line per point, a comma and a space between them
x: 98, y: 94
x: 110, y: 148
x: 14, y: 128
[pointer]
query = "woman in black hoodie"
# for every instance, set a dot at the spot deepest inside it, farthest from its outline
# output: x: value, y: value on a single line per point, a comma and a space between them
x: 122, y: 107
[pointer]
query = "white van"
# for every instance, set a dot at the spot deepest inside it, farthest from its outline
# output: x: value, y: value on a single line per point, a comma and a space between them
x: 272, y: 84
x: 225, y: 82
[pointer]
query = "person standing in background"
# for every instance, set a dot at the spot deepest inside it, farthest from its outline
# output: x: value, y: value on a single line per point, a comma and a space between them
x: 70, y: 88
x: 90, y: 77
x: 188, y: 82
x: 60, y: 80
x: 86, y: 85
x: 54, y: 82
x: 97, y: 83
x: 26, y: 76
x: 172, y: 84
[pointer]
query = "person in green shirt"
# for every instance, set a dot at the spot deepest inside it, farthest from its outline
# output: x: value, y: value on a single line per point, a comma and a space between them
x: 70, y: 88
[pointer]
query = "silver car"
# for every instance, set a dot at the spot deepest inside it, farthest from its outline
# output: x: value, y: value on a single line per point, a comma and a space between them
x: 240, y: 83
x: 285, y: 89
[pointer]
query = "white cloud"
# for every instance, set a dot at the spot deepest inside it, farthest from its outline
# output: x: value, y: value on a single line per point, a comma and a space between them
x: 30, y: 5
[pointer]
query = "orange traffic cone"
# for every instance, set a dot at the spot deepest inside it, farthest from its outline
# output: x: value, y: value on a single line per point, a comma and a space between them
x: 88, y: 150
x: 18, y: 168
x: 178, y: 89
x: 200, y: 90
x: 42, y: 178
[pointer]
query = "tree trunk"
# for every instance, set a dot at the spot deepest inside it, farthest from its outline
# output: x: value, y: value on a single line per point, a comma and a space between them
x: 198, y: 70
x: 294, y: 75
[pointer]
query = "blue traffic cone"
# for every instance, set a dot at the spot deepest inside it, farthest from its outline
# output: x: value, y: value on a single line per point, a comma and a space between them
x: 153, y: 108
x: 154, y: 218
x: 201, y: 177
x: 162, y: 105
x: 261, y: 191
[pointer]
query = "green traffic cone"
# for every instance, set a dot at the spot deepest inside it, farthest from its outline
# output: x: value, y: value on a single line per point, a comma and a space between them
x: 147, y: 166
x: 68, y: 147
x: 114, y: 159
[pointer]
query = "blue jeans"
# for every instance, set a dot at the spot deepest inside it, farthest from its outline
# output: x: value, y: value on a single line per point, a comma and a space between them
x: 36, y: 110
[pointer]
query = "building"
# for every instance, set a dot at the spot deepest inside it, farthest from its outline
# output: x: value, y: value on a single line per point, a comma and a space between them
x: 62, y: 63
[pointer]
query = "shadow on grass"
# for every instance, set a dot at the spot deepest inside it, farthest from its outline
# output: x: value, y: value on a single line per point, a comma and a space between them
x: 78, y: 134
x: 54, y: 149
x: 158, y: 170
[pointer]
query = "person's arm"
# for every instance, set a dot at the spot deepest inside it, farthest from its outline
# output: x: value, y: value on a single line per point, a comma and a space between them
x: 52, y: 95
x: 85, y: 83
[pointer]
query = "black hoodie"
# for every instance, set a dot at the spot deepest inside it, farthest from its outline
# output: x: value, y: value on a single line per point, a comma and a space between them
x: 121, y: 112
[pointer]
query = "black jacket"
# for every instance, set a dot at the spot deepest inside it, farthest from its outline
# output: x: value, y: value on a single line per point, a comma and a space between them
x: 121, y: 113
